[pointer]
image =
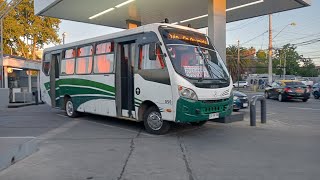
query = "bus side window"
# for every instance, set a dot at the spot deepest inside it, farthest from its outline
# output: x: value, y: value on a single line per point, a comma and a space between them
x: 67, y: 66
x: 46, y: 64
x: 104, y: 58
x: 103, y: 63
x: 67, y: 63
x: 145, y: 63
x: 84, y: 60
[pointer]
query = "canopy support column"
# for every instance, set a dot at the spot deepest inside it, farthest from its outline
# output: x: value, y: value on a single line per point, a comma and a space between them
x: 5, y: 77
x: 217, y: 21
x: 29, y: 82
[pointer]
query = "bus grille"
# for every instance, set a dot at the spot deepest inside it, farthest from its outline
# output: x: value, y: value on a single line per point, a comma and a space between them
x: 215, y: 101
x: 216, y: 109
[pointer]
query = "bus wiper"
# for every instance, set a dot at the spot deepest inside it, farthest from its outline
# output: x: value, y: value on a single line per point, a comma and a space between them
x: 203, y: 58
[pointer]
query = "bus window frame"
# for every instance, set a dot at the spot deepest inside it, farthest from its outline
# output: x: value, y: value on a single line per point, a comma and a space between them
x: 63, y: 59
x: 44, y: 60
x: 77, y: 57
x: 95, y: 54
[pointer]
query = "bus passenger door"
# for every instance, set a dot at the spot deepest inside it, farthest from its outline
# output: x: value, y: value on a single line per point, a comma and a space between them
x: 54, y: 76
x: 125, y: 79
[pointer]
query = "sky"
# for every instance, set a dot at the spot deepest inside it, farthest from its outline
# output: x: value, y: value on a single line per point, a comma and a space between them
x: 251, y: 32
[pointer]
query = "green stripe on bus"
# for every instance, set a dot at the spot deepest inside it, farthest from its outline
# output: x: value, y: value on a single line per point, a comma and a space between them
x: 85, y: 82
x: 81, y: 90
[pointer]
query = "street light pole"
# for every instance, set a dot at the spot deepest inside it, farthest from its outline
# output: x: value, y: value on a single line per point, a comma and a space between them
x: 1, y: 54
x: 285, y: 65
x: 238, y: 65
x: 270, y: 76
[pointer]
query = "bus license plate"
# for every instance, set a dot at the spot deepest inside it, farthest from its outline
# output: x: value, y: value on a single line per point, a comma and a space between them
x: 214, y: 116
x: 245, y: 104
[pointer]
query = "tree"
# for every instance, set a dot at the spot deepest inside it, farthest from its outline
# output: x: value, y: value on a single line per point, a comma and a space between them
x: 232, y: 60
x: 25, y: 33
x: 289, y: 55
x: 261, y: 63
x: 308, y: 69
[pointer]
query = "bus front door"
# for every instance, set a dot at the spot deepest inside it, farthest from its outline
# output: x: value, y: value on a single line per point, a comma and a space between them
x: 125, y: 79
x: 54, y: 76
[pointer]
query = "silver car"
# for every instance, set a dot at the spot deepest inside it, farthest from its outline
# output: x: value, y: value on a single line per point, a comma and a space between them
x: 242, y: 84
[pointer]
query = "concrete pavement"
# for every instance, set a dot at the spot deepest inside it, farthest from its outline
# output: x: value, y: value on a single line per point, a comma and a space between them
x: 95, y: 147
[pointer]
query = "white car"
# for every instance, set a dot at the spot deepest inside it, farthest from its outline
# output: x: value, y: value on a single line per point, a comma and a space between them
x: 243, y: 84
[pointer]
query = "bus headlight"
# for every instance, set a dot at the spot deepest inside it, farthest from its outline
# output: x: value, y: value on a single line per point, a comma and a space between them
x: 187, y: 93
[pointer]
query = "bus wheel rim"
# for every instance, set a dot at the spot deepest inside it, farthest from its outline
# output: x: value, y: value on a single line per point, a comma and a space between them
x: 69, y: 108
x: 155, y: 121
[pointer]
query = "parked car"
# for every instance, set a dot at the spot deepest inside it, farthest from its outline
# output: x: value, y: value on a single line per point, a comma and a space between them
x: 240, y: 101
x: 288, y: 89
x: 242, y: 84
x: 316, y: 90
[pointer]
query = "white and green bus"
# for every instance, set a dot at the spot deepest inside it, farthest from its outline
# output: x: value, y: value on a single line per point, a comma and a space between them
x: 156, y: 74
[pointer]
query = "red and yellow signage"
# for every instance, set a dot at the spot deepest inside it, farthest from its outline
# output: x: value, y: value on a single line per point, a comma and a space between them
x: 201, y: 40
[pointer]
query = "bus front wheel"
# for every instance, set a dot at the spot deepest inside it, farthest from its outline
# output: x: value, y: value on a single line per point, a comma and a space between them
x: 70, y: 109
x: 154, y: 123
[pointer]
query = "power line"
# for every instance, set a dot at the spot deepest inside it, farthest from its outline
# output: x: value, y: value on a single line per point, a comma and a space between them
x: 245, y: 24
x: 254, y: 38
x: 304, y: 43
x: 304, y: 37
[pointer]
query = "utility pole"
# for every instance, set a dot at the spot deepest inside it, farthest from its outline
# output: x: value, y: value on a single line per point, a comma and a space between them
x: 64, y: 37
x: 285, y: 65
x: 1, y: 54
x: 238, y: 66
x: 270, y: 51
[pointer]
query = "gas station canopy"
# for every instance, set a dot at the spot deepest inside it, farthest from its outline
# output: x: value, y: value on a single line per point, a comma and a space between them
x: 116, y: 13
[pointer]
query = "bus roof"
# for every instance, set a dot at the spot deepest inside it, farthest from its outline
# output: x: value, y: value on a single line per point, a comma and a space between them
x: 128, y: 32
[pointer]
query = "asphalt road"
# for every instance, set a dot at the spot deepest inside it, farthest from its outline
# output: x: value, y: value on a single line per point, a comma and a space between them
x: 95, y: 147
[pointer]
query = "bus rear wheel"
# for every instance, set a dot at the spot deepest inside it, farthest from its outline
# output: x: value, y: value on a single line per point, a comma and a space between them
x: 70, y: 109
x: 154, y: 123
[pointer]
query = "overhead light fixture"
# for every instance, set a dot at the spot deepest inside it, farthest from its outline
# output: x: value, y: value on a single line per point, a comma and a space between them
x: 18, y: 69
x: 175, y: 23
x: 101, y: 13
x: 9, y: 70
x: 230, y: 9
x: 124, y: 3
x: 191, y: 19
x: 245, y: 5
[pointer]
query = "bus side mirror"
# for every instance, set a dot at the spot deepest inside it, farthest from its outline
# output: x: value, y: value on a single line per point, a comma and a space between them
x: 154, y: 51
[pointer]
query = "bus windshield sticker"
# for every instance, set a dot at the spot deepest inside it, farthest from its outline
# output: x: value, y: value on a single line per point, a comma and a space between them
x: 196, y: 71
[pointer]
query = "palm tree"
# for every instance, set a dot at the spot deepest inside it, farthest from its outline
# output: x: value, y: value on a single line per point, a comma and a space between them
x: 232, y: 60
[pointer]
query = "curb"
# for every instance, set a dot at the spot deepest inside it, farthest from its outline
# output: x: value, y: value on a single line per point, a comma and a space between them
x: 235, y: 117
x: 23, y: 105
x: 18, y: 153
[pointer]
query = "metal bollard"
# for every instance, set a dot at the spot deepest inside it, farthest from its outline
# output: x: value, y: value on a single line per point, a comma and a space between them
x: 36, y: 97
x: 253, y: 108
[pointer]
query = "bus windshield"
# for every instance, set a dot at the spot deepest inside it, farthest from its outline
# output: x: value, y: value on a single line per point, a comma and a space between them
x: 193, y: 56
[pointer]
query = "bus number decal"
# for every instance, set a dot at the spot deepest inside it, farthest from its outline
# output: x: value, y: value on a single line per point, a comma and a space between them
x: 167, y: 101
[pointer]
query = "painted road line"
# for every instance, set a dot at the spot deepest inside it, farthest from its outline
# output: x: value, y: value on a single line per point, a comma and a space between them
x: 17, y: 137
x: 312, y: 109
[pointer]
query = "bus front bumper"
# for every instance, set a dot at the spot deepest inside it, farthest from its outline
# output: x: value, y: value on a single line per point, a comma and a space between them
x: 194, y: 111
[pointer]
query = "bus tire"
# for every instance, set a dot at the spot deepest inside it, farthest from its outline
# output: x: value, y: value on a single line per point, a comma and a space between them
x: 154, y: 123
x: 200, y: 123
x: 70, y: 110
